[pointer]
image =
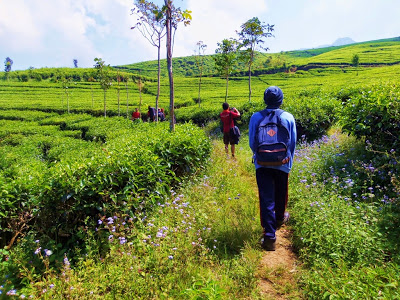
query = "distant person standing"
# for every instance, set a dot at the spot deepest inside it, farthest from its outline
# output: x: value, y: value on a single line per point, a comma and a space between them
x: 136, y: 114
x: 272, y: 138
x: 151, y: 114
x: 227, y: 116
x: 161, y: 116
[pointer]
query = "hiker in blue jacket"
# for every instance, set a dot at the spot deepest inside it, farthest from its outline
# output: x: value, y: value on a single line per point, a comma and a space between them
x: 272, y: 180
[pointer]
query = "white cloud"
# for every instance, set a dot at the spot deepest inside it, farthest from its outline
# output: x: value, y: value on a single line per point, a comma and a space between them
x: 53, y: 32
x: 17, y: 32
x: 214, y: 21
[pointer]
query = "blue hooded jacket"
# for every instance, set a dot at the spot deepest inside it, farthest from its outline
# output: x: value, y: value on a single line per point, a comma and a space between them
x: 289, y: 122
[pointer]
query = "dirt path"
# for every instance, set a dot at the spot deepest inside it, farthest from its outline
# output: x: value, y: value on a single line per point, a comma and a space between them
x: 277, y: 270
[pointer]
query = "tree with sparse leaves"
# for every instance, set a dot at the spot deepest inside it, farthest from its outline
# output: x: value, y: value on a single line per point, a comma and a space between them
x: 226, y: 59
x: 199, y: 57
x: 355, y: 61
x: 103, y: 71
x: 7, y: 66
x: 252, y: 34
x: 151, y: 24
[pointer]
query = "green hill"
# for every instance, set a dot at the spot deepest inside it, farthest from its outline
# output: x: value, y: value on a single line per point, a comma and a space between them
x: 378, y: 52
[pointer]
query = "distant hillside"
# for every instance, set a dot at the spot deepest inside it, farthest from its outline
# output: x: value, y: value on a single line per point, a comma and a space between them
x: 343, y: 41
x: 383, y: 51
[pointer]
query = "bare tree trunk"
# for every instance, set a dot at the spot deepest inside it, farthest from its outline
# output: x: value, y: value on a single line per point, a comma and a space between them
x: 140, y: 91
x: 119, y: 111
x: 118, y: 90
x: 105, y: 108
x: 91, y: 88
x: 158, y: 77
x: 169, y: 65
x: 226, y: 91
x: 250, y: 83
x: 127, y: 98
x: 200, y: 85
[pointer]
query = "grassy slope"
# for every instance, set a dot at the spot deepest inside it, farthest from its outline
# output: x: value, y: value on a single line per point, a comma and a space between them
x: 385, y: 51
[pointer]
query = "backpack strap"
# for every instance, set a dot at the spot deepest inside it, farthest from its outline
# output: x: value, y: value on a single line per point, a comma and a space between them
x: 232, y: 119
x: 266, y: 112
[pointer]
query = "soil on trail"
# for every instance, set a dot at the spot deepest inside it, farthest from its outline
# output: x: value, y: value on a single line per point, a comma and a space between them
x: 277, y: 270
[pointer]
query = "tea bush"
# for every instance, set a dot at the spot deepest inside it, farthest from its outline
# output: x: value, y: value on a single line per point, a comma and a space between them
x: 55, y: 182
x: 375, y: 115
x: 314, y: 114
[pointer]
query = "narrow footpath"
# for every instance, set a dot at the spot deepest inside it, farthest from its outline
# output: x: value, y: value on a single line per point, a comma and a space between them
x: 278, y: 269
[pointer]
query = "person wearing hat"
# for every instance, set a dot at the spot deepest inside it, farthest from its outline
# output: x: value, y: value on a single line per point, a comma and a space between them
x: 272, y: 181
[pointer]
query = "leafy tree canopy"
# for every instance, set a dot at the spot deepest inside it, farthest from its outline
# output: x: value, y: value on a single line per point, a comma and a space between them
x: 8, y: 63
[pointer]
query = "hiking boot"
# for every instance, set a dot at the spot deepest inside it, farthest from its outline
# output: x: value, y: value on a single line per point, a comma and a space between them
x: 285, y: 219
x: 268, y: 244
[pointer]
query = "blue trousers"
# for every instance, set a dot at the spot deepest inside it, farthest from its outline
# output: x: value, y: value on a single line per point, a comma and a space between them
x: 273, y: 195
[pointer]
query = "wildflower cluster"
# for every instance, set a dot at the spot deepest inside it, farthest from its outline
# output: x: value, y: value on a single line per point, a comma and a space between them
x: 163, y: 233
x: 352, y: 178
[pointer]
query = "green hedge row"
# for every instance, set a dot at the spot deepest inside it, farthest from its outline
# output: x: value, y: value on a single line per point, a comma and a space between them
x: 374, y: 113
x: 52, y: 182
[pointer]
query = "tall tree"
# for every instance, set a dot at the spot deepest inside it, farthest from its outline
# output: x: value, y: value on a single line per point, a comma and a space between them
x: 103, y: 71
x: 173, y: 17
x: 199, y: 57
x: 252, y: 34
x: 151, y: 24
x: 226, y: 59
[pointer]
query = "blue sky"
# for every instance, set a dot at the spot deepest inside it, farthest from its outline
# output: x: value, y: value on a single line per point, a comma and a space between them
x: 51, y: 33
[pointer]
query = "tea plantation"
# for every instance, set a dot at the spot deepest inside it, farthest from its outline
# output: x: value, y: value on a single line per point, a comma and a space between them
x: 95, y: 207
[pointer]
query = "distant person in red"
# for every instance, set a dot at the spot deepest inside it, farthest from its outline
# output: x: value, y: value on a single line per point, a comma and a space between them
x: 227, y: 117
x: 136, y: 114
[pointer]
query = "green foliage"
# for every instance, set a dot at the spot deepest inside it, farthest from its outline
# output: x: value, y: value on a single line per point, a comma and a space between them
x: 374, y: 113
x: 314, y: 112
x: 252, y: 34
x: 97, y: 192
x: 343, y: 221
x: 355, y: 61
x: 172, y: 249
x: 226, y: 57
x: 55, y: 180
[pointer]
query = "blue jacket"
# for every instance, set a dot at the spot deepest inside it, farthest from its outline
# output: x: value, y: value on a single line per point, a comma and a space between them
x: 287, y: 120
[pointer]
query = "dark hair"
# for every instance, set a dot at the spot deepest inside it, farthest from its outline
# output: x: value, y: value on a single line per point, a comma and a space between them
x: 225, y: 105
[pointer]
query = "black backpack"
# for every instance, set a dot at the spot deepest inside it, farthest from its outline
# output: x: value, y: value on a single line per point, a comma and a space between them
x: 272, y: 139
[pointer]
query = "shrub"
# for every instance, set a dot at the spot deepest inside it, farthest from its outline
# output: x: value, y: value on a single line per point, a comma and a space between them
x: 375, y: 115
x: 314, y: 114
x: 58, y: 182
